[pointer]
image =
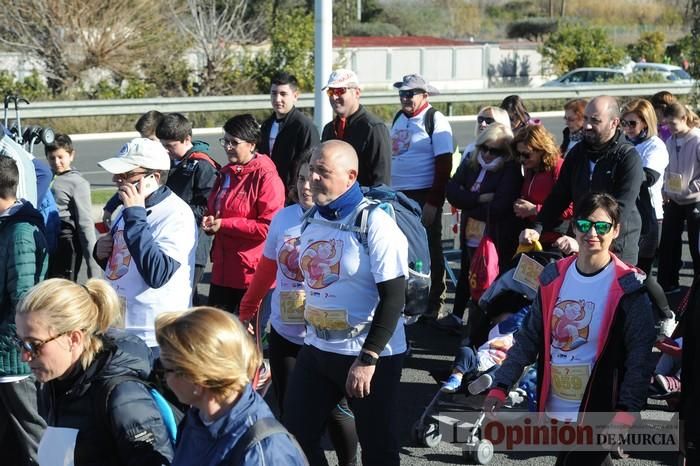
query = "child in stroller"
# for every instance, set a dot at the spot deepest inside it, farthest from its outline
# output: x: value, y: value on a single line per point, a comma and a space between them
x: 492, y: 325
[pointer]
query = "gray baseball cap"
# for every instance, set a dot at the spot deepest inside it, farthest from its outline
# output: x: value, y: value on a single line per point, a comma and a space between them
x: 415, y: 81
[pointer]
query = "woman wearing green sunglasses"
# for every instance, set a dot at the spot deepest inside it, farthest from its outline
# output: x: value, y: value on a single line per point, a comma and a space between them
x: 591, y: 331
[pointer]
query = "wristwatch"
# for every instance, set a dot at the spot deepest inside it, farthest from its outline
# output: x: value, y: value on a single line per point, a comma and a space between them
x: 367, y: 359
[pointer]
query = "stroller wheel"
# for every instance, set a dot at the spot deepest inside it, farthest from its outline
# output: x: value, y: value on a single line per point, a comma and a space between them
x: 427, y: 435
x: 481, y: 452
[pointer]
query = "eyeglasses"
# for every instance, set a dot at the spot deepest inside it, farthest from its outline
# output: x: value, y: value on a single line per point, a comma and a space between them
x: 408, y: 94
x: 481, y: 120
x: 584, y: 226
x: 229, y: 142
x: 492, y: 150
x: 336, y: 91
x: 630, y: 123
x: 33, y: 348
x: 129, y: 175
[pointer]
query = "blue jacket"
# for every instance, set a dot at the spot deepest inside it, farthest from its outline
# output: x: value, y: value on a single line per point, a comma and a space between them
x: 212, y: 445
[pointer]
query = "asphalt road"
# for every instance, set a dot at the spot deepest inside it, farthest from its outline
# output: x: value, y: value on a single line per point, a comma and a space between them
x: 92, y: 149
x: 433, y: 349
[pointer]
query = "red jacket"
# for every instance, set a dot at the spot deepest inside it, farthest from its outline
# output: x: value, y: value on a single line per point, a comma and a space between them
x: 255, y: 193
x: 536, y: 189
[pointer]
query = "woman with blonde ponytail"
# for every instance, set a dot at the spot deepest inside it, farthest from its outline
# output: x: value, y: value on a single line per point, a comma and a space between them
x: 64, y: 334
x: 209, y: 360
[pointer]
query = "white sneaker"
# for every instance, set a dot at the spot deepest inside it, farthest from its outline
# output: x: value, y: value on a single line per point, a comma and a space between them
x: 480, y: 384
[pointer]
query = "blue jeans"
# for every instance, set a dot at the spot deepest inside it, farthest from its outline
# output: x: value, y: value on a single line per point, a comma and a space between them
x: 466, y: 361
x: 21, y: 427
x: 318, y: 384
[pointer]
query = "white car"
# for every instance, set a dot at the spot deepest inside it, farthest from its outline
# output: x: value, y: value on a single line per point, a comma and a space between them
x: 586, y: 77
x: 673, y: 73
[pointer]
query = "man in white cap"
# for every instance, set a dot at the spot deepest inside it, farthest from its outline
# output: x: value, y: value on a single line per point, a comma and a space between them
x: 421, y: 144
x: 149, y: 254
x: 361, y: 129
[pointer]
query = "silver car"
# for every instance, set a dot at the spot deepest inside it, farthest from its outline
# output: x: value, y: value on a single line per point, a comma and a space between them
x: 586, y: 77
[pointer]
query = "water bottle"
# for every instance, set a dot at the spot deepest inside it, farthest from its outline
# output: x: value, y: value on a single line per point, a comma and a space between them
x: 419, y: 266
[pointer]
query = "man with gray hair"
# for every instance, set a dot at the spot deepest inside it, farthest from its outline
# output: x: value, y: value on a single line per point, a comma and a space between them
x: 603, y: 162
x: 364, y: 131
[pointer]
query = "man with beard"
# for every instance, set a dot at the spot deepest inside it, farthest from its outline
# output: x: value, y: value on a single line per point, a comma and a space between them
x: 603, y: 162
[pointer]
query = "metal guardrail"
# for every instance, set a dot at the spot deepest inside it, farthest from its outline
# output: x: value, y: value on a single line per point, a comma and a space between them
x: 77, y: 108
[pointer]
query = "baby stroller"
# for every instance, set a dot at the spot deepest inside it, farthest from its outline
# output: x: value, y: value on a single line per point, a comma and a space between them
x: 507, y: 295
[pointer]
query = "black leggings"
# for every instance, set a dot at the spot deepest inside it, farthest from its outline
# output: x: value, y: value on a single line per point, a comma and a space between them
x: 225, y: 298
x: 341, y: 422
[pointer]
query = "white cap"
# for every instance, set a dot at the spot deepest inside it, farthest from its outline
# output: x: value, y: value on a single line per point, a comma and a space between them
x: 343, y: 78
x: 139, y: 152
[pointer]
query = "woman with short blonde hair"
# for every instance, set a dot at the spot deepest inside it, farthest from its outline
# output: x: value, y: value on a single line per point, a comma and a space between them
x: 62, y: 330
x: 484, y: 188
x: 209, y: 360
x: 486, y: 116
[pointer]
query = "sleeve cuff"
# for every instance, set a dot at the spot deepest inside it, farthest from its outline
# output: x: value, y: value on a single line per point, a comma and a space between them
x: 497, y: 393
x: 624, y: 418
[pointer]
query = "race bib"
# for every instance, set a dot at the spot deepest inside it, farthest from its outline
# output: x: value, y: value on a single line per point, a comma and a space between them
x: 327, y: 319
x: 569, y: 381
x: 528, y: 272
x: 475, y: 230
x: 292, y: 306
x: 57, y: 446
x: 674, y: 183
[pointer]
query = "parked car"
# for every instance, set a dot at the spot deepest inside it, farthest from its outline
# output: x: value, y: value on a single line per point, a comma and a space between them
x: 673, y: 73
x: 586, y: 76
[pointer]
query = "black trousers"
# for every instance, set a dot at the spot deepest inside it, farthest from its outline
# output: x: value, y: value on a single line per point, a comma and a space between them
x: 225, y: 298
x: 317, y: 386
x: 676, y: 216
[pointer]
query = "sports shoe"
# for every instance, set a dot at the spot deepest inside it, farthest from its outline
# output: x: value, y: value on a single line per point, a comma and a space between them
x: 667, y: 384
x: 480, y: 384
x: 452, y: 384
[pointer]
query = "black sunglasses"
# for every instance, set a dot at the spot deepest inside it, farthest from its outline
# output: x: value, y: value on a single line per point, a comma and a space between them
x: 630, y: 123
x: 481, y: 120
x: 33, y: 348
x: 584, y: 226
x: 408, y: 94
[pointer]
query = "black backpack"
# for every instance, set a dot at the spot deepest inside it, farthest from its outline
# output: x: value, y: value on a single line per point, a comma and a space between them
x: 428, y: 121
x: 407, y: 214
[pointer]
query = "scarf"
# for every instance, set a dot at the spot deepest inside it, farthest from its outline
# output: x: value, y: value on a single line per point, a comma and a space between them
x: 339, y: 126
x: 640, y: 138
x: 343, y: 205
x: 492, y: 166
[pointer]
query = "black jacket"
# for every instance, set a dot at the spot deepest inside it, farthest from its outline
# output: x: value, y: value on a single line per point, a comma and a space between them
x: 370, y: 138
x: 503, y: 226
x: 296, y: 133
x: 690, y: 404
x: 135, y: 435
x: 618, y: 172
x: 192, y: 180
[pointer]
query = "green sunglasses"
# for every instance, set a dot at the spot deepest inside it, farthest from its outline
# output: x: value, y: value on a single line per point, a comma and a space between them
x: 584, y: 226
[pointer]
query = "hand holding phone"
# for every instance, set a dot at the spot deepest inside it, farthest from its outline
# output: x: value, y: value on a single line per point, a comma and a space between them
x: 135, y: 194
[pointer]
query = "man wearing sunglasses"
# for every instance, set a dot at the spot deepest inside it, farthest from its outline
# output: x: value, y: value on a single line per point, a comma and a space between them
x: 421, y: 144
x: 23, y: 263
x: 148, y: 256
x: 365, y: 132
x: 591, y: 331
x: 603, y: 162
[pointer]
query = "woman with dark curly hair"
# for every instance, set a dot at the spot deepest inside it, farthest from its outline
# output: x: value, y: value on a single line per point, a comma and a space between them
x: 248, y: 193
x: 541, y: 161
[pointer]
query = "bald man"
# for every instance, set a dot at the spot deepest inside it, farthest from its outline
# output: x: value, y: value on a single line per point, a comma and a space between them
x: 603, y: 162
x: 354, y: 297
